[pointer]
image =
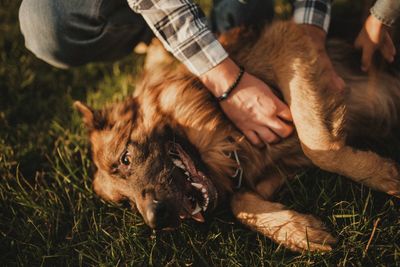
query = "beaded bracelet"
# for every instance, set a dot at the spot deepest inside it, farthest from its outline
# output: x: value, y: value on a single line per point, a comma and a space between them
x: 233, y: 86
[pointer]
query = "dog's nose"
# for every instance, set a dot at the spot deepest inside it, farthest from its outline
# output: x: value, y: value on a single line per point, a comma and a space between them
x: 157, y: 214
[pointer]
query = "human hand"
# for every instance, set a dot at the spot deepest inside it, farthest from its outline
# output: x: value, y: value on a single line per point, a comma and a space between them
x: 374, y: 36
x: 318, y: 38
x: 260, y: 115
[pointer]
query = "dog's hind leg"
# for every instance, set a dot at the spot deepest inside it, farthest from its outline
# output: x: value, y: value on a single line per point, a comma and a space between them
x: 296, y: 231
x: 324, y: 144
x: 319, y: 125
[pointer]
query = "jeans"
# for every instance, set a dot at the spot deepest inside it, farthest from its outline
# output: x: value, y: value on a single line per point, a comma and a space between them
x: 227, y: 14
x: 68, y: 33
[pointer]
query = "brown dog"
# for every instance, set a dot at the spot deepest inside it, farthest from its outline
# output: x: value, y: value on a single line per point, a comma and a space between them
x: 170, y: 151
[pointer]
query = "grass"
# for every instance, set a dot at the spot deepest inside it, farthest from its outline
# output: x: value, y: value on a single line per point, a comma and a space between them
x: 50, y: 216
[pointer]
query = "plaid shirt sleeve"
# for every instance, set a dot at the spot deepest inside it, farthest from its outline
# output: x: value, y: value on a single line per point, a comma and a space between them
x: 182, y: 28
x: 315, y: 12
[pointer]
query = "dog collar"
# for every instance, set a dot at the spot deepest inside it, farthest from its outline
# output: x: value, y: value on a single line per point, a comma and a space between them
x: 238, y: 175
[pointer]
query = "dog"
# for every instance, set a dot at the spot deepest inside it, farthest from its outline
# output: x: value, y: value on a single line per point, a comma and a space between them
x: 170, y: 151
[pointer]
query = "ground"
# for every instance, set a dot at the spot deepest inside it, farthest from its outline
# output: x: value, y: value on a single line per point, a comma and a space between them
x: 49, y: 214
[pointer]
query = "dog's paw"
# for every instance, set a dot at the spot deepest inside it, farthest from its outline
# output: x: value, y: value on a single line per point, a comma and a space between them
x: 388, y: 180
x: 391, y: 185
x: 297, y: 231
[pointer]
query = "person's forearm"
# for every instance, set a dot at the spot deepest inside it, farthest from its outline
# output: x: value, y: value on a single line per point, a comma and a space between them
x: 182, y: 28
x: 221, y: 77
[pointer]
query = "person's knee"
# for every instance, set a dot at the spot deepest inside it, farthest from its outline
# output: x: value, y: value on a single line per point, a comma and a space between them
x: 40, y: 28
x: 67, y: 33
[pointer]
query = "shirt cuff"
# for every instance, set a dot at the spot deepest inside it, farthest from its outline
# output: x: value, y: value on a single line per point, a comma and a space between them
x: 315, y: 12
x: 201, y: 54
x: 386, y: 11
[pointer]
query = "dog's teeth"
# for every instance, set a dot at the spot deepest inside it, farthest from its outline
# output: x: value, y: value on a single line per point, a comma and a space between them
x: 206, y: 201
x: 203, y: 190
x: 186, y: 173
x: 179, y: 164
x: 197, y: 209
x: 205, y: 206
x: 198, y: 186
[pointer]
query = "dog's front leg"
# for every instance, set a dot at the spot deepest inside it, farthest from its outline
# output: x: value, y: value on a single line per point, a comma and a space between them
x: 320, y: 124
x: 296, y: 231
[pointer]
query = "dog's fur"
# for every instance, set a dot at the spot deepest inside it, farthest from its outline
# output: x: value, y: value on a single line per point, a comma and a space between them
x: 172, y: 105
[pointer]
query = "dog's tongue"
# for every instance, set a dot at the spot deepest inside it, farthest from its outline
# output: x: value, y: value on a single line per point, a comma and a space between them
x: 188, y: 212
x: 198, y: 217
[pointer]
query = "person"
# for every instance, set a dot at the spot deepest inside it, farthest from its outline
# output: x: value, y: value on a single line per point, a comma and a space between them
x: 374, y: 35
x: 69, y: 33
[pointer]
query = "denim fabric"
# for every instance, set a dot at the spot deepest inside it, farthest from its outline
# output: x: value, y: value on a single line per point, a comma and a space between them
x: 227, y: 14
x: 387, y: 11
x: 67, y: 33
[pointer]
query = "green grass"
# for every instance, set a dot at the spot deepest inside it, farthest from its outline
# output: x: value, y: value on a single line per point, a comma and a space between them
x: 50, y: 216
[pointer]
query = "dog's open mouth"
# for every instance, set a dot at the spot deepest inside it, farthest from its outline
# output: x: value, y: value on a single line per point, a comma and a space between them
x: 200, y: 193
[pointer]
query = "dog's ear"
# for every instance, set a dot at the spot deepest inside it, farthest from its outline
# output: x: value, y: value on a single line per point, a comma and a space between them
x: 90, y: 117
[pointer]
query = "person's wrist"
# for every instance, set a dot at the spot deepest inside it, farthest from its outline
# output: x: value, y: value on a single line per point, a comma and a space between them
x: 221, y: 77
x: 373, y: 23
x: 233, y: 86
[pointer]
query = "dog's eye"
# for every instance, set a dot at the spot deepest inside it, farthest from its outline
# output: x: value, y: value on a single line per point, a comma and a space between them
x: 126, y: 158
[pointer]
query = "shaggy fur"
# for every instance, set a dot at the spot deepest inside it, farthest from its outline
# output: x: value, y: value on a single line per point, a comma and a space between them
x: 171, y: 102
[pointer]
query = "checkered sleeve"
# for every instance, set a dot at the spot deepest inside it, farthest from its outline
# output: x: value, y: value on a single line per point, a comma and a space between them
x: 182, y: 28
x: 315, y: 12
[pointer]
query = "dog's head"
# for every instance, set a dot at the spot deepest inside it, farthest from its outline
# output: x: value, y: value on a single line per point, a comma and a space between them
x: 148, y: 163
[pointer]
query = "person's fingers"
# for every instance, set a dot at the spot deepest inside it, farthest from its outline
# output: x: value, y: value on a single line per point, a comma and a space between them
x: 366, y: 58
x: 266, y: 135
x: 284, y: 112
x: 358, y: 41
x: 367, y: 50
x: 254, y: 139
x: 279, y: 127
x: 387, y: 48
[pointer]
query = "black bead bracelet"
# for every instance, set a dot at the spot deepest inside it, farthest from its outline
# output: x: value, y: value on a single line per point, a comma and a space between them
x: 233, y: 86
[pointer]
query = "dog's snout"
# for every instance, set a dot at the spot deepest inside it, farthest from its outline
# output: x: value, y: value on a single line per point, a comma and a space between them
x: 158, y: 215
